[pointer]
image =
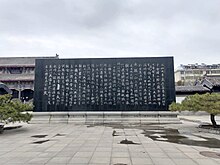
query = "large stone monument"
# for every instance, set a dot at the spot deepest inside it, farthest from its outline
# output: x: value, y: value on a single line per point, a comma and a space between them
x: 104, y: 84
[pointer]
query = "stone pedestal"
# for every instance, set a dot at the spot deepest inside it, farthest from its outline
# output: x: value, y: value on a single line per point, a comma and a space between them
x: 104, y: 117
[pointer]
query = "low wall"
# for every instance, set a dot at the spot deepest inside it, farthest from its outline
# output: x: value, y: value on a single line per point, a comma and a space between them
x: 104, y: 117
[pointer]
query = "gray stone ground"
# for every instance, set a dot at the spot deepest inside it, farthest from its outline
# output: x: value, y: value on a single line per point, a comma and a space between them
x: 96, y: 145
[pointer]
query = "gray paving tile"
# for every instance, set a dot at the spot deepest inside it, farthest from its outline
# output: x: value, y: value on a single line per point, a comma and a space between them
x: 27, y: 148
x: 139, y: 155
x: 87, y: 149
x: 82, y: 154
x: 14, y: 164
x: 66, y: 154
x: 154, y: 150
x: 103, y: 149
x: 18, y: 160
x: 171, y: 150
x: 9, y: 155
x: 120, y: 154
x: 39, y: 160
x: 47, y: 154
x: 121, y: 161
x: 29, y: 154
x: 141, y: 161
x: 54, y: 149
x: 77, y: 163
x: 95, y: 146
x: 102, y: 154
x: 96, y: 160
x: 186, y: 149
x: 120, y: 148
x: 158, y: 155
x: 206, y: 161
x: 177, y: 155
x: 79, y: 160
x: 98, y: 164
x: 163, y: 161
x: 150, y: 145
x: 194, y: 155
x: 3, y: 160
x: 184, y: 161
x: 59, y: 160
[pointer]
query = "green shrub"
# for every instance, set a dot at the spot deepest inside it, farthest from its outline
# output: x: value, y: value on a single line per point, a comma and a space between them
x: 14, y: 110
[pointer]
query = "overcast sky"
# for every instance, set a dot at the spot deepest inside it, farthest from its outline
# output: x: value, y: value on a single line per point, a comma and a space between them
x: 189, y: 30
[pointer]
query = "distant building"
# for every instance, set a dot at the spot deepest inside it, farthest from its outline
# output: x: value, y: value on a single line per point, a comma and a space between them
x: 208, y: 84
x: 188, y: 74
x: 183, y: 91
x: 17, y: 73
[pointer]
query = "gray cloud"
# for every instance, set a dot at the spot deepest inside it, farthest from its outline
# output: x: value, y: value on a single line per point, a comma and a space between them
x: 189, y: 30
x: 62, y: 16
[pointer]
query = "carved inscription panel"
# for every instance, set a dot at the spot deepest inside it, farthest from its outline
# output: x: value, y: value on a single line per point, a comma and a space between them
x: 104, y: 84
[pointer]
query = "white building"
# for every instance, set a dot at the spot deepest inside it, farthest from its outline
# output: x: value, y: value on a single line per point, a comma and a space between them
x: 188, y: 74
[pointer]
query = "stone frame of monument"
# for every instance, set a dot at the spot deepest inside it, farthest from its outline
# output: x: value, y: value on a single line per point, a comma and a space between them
x: 104, y: 84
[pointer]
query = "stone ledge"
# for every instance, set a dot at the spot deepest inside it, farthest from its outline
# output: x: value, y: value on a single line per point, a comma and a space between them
x: 149, y: 117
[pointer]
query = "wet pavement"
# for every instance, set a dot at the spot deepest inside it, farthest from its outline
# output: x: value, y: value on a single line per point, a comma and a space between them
x: 170, y: 144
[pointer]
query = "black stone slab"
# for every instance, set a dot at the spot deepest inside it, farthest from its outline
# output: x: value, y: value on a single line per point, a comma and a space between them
x: 104, y: 84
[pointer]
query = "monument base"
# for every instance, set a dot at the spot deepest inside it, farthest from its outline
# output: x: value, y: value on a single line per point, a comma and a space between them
x: 106, y: 117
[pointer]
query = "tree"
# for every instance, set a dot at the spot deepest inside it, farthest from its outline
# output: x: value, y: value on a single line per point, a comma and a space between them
x: 14, y: 110
x: 205, y: 102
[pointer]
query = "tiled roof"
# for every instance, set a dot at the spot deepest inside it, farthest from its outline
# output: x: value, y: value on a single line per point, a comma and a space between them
x: 191, y: 89
x: 16, y: 77
x: 20, y: 61
x: 205, y: 82
x: 214, y: 80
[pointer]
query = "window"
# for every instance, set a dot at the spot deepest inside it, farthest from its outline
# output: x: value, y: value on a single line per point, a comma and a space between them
x: 188, y: 72
x: 17, y: 70
x: 189, y: 77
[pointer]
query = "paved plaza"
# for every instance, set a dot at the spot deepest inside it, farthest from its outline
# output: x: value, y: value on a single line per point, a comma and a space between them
x: 109, y: 145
